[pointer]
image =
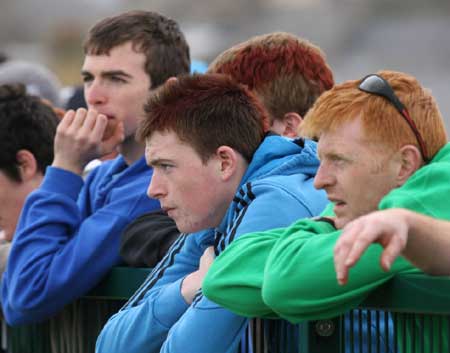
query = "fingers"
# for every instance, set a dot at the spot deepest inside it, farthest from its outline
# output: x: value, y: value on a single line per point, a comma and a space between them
x: 79, y: 139
x: 391, y: 252
x: 387, y: 228
x: 354, y: 241
x: 342, y: 251
x: 340, y: 267
x: 97, y: 125
x: 78, y: 120
x: 67, y: 119
x: 362, y: 240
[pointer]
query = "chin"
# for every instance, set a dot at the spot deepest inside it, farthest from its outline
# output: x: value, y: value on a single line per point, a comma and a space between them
x: 341, y: 222
x: 187, y: 228
x: 192, y: 227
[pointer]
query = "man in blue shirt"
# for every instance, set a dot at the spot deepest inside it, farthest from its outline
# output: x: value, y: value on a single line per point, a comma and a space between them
x: 68, y: 235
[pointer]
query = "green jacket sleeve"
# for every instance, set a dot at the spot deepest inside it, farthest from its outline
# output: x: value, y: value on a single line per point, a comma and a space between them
x: 300, y: 280
x: 240, y: 290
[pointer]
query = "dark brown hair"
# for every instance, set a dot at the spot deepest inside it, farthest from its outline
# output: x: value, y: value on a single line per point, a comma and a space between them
x: 26, y: 122
x: 157, y: 37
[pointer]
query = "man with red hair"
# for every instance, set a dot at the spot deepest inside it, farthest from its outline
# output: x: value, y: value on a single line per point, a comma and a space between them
x: 286, y: 72
x: 218, y: 174
x: 382, y: 144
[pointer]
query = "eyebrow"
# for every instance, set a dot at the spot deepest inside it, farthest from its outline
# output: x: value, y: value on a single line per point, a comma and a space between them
x: 158, y: 161
x: 107, y: 74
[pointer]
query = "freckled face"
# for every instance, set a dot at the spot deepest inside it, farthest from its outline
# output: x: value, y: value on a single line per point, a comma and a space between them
x: 354, y: 174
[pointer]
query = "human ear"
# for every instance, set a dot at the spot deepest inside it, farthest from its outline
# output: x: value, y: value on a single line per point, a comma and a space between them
x: 291, y: 122
x: 410, y: 161
x: 28, y: 167
x: 227, y: 161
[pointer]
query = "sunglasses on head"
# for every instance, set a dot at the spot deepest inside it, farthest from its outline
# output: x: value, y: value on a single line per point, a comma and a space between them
x: 375, y: 84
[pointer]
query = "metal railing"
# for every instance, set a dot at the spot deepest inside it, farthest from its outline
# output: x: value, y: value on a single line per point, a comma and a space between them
x: 410, y: 313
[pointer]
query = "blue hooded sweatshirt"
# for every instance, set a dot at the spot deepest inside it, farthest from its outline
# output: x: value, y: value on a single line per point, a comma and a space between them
x: 276, y: 190
x: 68, y: 236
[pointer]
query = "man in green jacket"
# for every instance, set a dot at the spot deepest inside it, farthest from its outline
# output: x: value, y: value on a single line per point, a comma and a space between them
x: 382, y: 144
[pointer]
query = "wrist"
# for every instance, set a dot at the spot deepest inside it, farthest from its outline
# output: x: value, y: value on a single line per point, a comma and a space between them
x: 68, y: 166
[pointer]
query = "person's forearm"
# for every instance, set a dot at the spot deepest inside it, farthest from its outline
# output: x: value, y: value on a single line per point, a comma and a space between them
x: 428, y: 246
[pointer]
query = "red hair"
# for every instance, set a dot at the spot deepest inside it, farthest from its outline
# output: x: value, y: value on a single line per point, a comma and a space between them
x: 206, y: 112
x: 382, y: 122
x: 275, y: 65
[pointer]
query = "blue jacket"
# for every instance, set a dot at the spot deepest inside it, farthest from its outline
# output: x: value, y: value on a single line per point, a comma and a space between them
x: 68, y: 236
x: 276, y: 190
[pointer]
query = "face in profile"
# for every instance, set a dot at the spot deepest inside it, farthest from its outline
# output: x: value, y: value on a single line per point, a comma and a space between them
x: 12, y: 198
x: 354, y: 172
x: 190, y: 191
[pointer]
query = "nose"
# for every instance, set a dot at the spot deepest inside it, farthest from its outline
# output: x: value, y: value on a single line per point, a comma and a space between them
x: 94, y: 94
x: 156, y: 187
x: 324, y: 178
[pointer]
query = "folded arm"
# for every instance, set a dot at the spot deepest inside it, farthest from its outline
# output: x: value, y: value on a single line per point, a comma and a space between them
x: 58, y: 254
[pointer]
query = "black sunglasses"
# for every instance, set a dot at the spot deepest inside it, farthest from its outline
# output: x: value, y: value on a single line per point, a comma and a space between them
x: 376, y: 84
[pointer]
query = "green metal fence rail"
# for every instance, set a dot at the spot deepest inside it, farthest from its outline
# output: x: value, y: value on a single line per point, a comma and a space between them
x: 410, y: 313
x: 76, y: 328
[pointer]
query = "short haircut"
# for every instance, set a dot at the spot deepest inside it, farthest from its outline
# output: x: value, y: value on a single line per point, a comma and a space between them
x: 288, y: 73
x: 206, y: 112
x: 157, y: 37
x: 381, y: 120
x: 25, y: 123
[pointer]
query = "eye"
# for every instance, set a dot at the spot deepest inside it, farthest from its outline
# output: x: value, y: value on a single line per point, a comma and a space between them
x: 87, y: 78
x: 337, y: 160
x: 165, y: 167
x: 117, y: 79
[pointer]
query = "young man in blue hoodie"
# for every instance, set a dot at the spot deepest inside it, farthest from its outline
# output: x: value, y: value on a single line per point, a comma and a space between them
x: 218, y: 174
x: 68, y: 235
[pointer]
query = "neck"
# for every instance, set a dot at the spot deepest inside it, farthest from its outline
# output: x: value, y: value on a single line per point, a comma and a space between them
x: 131, y: 150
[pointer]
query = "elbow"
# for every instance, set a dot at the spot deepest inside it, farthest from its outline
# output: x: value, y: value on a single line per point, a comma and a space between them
x: 274, y: 294
x: 285, y: 298
x: 17, y: 318
x: 212, y: 288
x: 21, y: 310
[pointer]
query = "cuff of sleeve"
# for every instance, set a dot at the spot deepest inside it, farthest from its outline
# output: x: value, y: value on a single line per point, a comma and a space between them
x: 62, y: 181
x: 170, y: 304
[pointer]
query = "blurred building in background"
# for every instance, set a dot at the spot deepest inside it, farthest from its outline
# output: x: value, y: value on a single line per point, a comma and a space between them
x: 358, y: 36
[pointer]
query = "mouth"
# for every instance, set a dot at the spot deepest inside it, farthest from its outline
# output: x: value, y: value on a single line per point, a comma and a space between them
x: 109, y: 117
x: 168, y: 209
x: 338, y: 204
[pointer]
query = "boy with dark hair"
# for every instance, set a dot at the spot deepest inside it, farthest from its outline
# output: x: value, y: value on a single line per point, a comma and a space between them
x: 69, y: 232
x: 286, y: 72
x: 218, y: 174
x: 27, y: 130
